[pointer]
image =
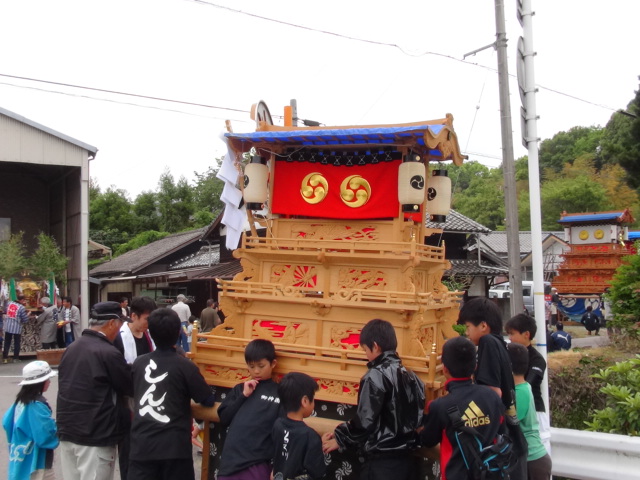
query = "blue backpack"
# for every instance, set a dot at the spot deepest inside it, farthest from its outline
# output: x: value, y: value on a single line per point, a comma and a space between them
x: 494, y: 461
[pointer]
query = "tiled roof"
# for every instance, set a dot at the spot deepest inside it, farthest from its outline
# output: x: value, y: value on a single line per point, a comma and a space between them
x: 497, y: 241
x: 456, y: 222
x: 470, y: 267
x: 207, y: 255
x: 139, y: 258
x: 223, y: 270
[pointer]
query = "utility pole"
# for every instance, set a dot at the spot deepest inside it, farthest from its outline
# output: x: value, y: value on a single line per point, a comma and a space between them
x: 508, y: 165
x: 529, y: 119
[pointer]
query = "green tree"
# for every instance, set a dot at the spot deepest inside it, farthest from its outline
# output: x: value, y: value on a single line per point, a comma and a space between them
x: 145, y: 211
x: 207, y: 190
x: 624, y: 296
x: 13, y: 258
x: 111, y: 210
x: 483, y: 198
x: 47, y: 260
x: 572, y: 195
x: 565, y: 147
x: 621, y: 141
x: 175, y: 203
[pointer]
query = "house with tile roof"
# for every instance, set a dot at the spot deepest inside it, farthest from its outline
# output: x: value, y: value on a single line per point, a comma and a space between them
x: 471, y: 270
x: 554, y: 245
x: 182, y: 263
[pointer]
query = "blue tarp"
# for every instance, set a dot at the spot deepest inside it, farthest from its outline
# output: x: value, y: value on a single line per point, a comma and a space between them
x: 575, y: 307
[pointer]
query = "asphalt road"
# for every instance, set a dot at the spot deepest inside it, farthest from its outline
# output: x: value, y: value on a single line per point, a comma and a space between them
x: 10, y: 376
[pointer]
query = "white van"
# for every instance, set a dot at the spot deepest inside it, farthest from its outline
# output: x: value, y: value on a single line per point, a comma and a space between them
x: 502, y: 290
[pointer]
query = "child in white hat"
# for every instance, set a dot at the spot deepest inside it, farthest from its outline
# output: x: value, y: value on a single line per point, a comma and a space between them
x: 31, y: 430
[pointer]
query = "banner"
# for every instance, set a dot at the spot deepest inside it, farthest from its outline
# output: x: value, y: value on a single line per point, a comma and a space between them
x: 328, y: 191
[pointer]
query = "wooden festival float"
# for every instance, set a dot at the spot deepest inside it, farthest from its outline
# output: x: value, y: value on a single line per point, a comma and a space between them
x: 341, y: 234
x: 599, y: 243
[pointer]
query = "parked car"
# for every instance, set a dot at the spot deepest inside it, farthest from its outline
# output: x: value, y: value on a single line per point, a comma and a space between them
x: 503, y: 290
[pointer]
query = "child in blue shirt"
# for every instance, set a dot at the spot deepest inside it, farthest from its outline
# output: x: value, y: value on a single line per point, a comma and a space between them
x: 31, y: 431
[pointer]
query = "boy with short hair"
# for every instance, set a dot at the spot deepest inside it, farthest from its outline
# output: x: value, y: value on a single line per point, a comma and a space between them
x: 483, y: 321
x: 390, y: 407
x: 561, y: 338
x: 164, y: 383
x: 522, y: 329
x: 250, y: 410
x: 538, y: 460
x: 298, y: 452
x: 480, y: 406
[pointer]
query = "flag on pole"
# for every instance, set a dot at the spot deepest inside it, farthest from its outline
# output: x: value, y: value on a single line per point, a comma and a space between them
x: 12, y: 290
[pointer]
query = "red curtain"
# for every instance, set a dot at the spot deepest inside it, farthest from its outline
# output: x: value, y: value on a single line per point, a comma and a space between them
x: 381, y: 194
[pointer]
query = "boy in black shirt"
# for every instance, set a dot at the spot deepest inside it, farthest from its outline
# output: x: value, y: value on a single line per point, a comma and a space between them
x: 390, y: 407
x: 522, y: 329
x: 298, y: 452
x: 479, y: 406
x: 164, y: 383
x: 483, y: 320
x: 250, y: 410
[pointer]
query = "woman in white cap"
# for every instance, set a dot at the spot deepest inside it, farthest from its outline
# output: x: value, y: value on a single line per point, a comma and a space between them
x: 31, y: 430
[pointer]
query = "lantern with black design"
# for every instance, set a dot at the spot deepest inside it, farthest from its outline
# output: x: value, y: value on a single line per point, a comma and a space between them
x: 439, y: 196
x: 411, y: 183
x: 256, y: 177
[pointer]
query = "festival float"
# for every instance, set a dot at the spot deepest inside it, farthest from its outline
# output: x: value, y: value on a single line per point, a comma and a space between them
x: 599, y: 242
x: 336, y: 237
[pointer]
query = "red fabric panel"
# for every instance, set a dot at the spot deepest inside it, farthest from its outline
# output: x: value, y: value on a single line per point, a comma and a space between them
x: 382, y: 201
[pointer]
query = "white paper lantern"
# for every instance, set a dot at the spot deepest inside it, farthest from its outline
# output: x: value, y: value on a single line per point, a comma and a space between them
x: 411, y: 183
x: 439, y: 196
x: 256, y: 177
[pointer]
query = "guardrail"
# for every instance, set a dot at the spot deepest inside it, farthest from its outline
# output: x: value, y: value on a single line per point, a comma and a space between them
x: 594, y: 456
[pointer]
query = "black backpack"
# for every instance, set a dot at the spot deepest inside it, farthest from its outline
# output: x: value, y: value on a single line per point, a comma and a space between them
x: 495, y: 461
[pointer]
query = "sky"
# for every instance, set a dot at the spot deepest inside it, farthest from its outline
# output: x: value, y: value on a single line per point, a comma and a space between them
x: 345, y: 62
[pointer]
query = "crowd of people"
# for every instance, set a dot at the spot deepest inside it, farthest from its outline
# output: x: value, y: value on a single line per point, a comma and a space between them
x: 125, y: 390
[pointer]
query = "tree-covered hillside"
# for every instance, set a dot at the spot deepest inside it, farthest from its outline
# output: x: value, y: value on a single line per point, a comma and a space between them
x: 585, y: 169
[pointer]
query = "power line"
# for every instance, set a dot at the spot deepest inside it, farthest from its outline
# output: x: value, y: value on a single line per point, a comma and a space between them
x: 115, y: 92
x: 392, y: 45
x: 153, y: 107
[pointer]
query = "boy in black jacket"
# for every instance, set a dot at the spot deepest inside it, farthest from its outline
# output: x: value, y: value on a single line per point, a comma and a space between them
x: 298, y: 451
x: 479, y: 406
x: 250, y: 410
x: 390, y: 407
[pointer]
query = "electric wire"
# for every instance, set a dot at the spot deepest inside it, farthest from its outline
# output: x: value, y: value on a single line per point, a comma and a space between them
x: 392, y: 45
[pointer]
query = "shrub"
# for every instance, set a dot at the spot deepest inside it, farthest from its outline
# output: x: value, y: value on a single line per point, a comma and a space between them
x: 622, y: 391
x: 575, y: 393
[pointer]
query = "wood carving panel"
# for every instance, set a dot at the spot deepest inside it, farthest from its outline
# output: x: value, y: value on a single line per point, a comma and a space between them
x: 281, y: 331
x: 361, y: 279
x: 339, y: 388
x: 421, y: 334
x: 226, y: 373
x: 347, y: 338
x: 334, y: 232
x: 304, y: 276
x: 248, y: 270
